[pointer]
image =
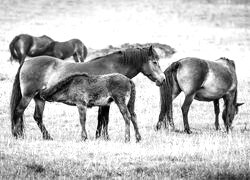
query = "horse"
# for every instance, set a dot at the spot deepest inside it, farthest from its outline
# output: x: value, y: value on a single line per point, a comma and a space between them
x: 85, y: 91
x: 63, y: 50
x: 26, y: 45
x: 51, y: 70
x: 202, y: 80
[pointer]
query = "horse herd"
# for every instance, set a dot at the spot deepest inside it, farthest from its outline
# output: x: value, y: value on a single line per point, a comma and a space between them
x: 102, y: 80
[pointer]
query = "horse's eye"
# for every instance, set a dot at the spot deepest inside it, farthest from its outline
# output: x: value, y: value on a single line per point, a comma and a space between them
x: 155, y: 62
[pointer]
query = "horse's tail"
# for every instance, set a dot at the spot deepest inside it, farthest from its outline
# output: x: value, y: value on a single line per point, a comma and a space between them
x: 85, y: 51
x: 15, y: 99
x: 166, y: 90
x: 131, y: 102
x: 14, y: 55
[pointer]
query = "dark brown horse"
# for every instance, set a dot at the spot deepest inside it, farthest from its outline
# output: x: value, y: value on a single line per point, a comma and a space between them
x: 82, y: 91
x: 64, y: 50
x: 51, y: 71
x: 201, y: 80
x: 26, y: 45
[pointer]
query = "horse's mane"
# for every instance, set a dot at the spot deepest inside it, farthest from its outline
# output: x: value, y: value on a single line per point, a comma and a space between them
x: 100, y: 57
x: 47, y: 93
x: 133, y: 56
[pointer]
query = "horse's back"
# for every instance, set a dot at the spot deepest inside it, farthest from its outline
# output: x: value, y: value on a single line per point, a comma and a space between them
x: 209, y: 80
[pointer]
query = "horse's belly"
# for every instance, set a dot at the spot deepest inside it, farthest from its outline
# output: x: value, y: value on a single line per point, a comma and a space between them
x: 208, y: 94
x: 102, y: 101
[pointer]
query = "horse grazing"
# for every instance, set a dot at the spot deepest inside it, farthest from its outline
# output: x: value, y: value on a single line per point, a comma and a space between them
x: 63, y: 50
x: 51, y: 71
x: 26, y: 45
x: 201, y: 80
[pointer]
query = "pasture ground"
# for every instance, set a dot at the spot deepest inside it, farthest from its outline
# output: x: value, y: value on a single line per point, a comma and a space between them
x: 206, y: 29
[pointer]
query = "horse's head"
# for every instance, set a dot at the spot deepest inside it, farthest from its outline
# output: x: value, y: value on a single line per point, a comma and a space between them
x: 152, y: 69
x: 234, y: 110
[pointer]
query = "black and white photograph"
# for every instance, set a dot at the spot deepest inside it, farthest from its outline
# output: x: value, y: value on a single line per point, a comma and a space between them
x: 125, y: 89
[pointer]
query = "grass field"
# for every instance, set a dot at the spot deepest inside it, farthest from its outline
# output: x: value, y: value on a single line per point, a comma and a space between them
x: 206, y: 29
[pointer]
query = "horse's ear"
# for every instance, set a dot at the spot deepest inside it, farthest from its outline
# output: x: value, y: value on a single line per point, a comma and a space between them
x: 239, y: 104
x: 150, y: 50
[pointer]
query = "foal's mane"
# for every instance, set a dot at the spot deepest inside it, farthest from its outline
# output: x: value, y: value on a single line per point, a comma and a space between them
x: 133, y: 56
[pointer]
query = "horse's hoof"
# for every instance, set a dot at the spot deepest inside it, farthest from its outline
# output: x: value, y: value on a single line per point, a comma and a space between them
x: 188, y: 131
x: 138, y: 138
x: 217, y: 128
x: 127, y: 139
x: 158, y: 126
x: 18, y: 135
x: 107, y: 138
x: 84, y: 138
x: 48, y: 138
x: 97, y: 135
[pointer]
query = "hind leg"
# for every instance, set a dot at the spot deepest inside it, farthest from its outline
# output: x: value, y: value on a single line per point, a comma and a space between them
x: 216, y: 112
x: 126, y: 116
x: 185, y: 108
x: 22, y: 51
x: 78, y: 57
x: 134, y: 121
x: 82, y: 113
x: 38, y: 116
x: 75, y: 56
x: 21, y: 54
x: 18, y: 116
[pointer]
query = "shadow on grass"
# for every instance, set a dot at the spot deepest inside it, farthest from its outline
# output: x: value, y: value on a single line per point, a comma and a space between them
x: 230, y: 176
x: 36, y: 168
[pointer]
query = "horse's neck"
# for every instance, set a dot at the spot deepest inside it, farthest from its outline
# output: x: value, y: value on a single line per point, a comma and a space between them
x: 113, y: 65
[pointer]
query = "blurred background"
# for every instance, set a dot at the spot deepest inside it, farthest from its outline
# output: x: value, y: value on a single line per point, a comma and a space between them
x: 203, y: 28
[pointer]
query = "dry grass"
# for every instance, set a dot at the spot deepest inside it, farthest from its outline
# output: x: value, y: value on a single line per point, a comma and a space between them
x: 206, y: 29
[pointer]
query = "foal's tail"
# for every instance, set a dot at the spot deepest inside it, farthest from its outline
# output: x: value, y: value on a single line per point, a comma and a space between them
x: 15, y: 99
x: 131, y: 102
x: 166, y: 90
x: 14, y: 55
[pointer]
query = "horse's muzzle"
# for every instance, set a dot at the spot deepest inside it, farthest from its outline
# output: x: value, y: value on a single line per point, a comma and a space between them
x: 162, y: 79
